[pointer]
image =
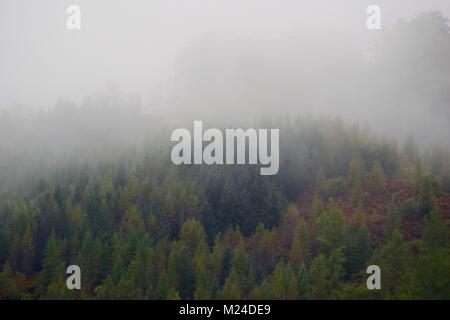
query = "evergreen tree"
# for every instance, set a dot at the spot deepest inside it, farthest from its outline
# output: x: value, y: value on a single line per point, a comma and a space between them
x: 418, y: 177
x: 376, y: 182
x: 435, y: 231
x: 180, y: 271
x: 393, y: 221
x: 90, y: 261
x: 326, y: 274
x: 300, y: 251
x: 433, y: 265
x: 426, y: 197
x: 394, y: 259
x: 356, y: 180
x: 192, y: 235
x: 52, y: 266
x: 329, y: 227
x: 357, y: 249
x: 284, y: 283
x: 241, y: 264
x: 304, y: 282
x: 232, y: 288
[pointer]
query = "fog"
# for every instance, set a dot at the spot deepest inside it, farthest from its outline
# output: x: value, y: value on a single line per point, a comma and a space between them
x: 135, y: 43
x: 138, y: 68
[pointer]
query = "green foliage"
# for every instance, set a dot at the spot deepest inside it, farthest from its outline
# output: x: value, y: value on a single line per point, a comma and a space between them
x: 356, y: 173
x: 232, y: 289
x: 326, y: 274
x: 300, y: 252
x: 432, y: 275
x: 410, y: 208
x: 334, y: 187
x: 357, y: 249
x: 329, y: 229
x: 393, y: 221
x: 376, y: 182
x: 143, y: 229
x: 426, y: 197
x: 395, y: 259
x: 180, y: 271
x: 283, y: 283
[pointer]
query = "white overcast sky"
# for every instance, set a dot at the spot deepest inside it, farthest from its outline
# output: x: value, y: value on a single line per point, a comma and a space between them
x: 134, y: 42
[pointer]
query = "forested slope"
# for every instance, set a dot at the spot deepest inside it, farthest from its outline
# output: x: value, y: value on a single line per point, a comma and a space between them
x: 142, y: 228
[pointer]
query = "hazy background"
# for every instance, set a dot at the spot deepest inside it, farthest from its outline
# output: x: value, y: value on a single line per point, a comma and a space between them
x: 135, y: 43
x: 138, y: 68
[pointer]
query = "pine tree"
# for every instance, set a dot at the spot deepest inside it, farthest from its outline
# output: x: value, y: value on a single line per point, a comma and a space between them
x: 376, y: 181
x: 287, y: 226
x: 284, y: 283
x: 52, y: 266
x: 192, y: 235
x: 435, y: 231
x: 357, y: 249
x: 317, y: 207
x: 329, y: 226
x: 125, y: 289
x: 107, y: 290
x: 433, y: 266
x: 57, y: 289
x: 304, y: 282
x: 426, y: 198
x: 394, y: 259
x: 418, y: 177
x: 326, y: 274
x: 153, y: 227
x: 392, y: 221
x: 203, y: 282
x: 216, y: 270
x: 149, y: 272
x: 133, y: 220
x: 180, y: 271
x: 232, y: 288
x: 90, y: 260
x: 136, y: 273
x: 27, y: 248
x: 118, y: 268
x: 264, y: 250
x: 300, y: 251
x: 241, y: 264
x: 356, y: 180
x: 163, y: 286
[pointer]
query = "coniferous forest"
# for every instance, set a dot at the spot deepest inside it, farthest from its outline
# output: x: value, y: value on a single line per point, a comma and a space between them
x: 364, y: 153
x: 140, y: 227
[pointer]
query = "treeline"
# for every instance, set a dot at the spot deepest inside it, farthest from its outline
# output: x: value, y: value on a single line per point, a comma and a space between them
x: 144, y: 229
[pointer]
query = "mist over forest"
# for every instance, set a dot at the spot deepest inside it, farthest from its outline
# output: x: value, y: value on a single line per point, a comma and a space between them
x: 397, y: 86
x: 85, y: 140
